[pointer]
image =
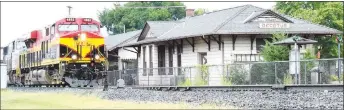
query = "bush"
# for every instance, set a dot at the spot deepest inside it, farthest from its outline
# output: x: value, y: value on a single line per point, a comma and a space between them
x: 272, y: 52
x: 185, y: 82
x: 287, y: 79
x: 335, y: 77
x: 326, y: 74
x: 238, y: 75
x: 225, y: 80
x: 202, y: 76
x: 261, y: 73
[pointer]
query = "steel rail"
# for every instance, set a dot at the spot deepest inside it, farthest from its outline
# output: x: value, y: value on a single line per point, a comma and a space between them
x: 308, y: 87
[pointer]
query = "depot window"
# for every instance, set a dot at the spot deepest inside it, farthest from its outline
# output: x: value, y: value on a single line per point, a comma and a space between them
x: 68, y: 27
x: 89, y: 27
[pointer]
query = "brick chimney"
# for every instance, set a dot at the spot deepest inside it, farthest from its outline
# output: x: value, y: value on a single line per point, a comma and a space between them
x: 190, y: 12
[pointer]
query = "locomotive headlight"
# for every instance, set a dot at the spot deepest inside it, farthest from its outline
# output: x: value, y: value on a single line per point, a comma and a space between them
x: 96, y: 57
x: 74, y: 57
x: 83, y: 36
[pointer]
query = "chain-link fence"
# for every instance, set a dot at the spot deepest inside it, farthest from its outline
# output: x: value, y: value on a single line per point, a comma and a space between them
x: 324, y: 71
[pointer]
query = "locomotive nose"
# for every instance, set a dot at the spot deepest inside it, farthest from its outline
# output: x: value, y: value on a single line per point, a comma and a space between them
x: 82, y: 45
x: 87, y: 43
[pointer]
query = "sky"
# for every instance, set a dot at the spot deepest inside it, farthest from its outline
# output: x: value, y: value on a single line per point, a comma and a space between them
x: 19, y: 18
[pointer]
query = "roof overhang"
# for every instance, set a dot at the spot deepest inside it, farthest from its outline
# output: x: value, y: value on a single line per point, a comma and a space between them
x: 295, y: 39
x: 149, y: 41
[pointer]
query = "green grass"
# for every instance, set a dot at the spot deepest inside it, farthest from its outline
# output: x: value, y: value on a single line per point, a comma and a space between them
x: 46, y: 100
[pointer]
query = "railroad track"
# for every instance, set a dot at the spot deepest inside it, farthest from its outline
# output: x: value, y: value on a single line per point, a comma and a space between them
x: 314, y: 87
x: 329, y: 87
x: 49, y: 86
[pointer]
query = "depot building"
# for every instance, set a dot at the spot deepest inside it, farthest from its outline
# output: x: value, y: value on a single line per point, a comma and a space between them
x: 233, y: 35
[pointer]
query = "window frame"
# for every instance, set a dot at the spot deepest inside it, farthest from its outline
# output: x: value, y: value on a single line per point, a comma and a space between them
x: 98, y: 29
x: 150, y: 60
x: 58, y: 27
x: 161, y: 59
x: 144, y: 61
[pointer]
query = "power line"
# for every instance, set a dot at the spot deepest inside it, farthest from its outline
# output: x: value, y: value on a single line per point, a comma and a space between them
x: 153, y: 7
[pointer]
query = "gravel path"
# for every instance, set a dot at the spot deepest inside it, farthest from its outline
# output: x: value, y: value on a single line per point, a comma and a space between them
x: 247, y: 99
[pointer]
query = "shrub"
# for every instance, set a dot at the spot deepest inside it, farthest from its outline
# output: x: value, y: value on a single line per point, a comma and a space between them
x: 202, y: 75
x: 334, y: 78
x: 238, y: 75
x: 262, y: 73
x: 287, y: 79
x: 185, y: 82
x: 226, y: 80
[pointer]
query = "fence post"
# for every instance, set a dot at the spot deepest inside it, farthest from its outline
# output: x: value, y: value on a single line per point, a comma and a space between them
x: 340, y: 68
x: 208, y: 76
x: 319, y: 75
x: 175, y: 75
x: 305, y: 73
x: 160, y: 76
x: 276, y: 73
x: 249, y: 72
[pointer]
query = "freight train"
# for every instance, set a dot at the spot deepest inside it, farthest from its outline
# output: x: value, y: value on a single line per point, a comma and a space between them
x: 69, y: 52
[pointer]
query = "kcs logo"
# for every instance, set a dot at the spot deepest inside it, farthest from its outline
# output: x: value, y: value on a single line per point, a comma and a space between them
x: 83, y: 44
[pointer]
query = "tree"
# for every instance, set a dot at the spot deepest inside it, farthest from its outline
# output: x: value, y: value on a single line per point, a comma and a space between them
x: 264, y: 73
x: 325, y: 13
x: 201, y: 11
x: 105, y: 19
x: 272, y: 52
x: 133, y: 15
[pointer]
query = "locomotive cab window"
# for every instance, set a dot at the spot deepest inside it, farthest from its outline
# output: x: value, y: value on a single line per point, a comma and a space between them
x: 68, y: 27
x: 89, y: 27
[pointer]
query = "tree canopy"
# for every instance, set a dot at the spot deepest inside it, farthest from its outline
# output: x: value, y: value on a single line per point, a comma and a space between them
x: 200, y: 11
x: 133, y: 15
x: 329, y: 14
x: 275, y: 52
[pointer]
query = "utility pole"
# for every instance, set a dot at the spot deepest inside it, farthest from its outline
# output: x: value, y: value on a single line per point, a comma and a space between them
x: 105, y: 75
x: 69, y: 9
x: 339, y: 39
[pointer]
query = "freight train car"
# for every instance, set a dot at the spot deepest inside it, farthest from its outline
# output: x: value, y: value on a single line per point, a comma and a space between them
x: 69, y: 52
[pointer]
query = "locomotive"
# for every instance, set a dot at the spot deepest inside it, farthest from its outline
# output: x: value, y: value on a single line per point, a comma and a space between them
x: 70, y: 52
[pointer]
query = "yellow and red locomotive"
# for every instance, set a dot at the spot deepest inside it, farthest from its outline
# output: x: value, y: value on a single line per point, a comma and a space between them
x: 69, y: 52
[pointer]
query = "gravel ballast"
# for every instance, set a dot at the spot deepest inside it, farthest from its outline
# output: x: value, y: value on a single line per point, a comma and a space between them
x: 240, y: 99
